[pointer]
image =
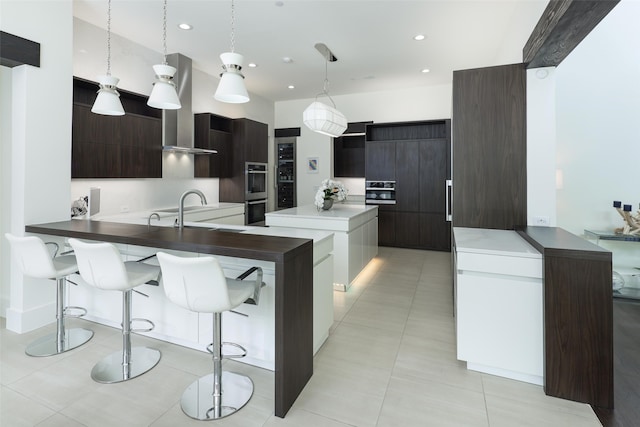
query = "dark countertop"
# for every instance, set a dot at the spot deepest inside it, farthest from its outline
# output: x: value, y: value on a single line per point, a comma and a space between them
x: 195, y: 239
x: 556, y: 241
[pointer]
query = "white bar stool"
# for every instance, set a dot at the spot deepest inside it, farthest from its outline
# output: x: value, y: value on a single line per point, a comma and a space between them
x: 101, y: 266
x: 199, y: 284
x: 34, y: 259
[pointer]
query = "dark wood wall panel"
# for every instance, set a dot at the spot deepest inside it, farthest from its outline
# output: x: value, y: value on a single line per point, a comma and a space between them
x: 489, y: 147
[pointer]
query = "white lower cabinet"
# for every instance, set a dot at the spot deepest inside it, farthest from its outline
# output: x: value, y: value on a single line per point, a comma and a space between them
x: 498, y: 303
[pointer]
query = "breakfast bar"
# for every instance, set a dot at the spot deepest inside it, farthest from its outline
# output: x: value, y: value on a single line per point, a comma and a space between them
x: 292, y: 259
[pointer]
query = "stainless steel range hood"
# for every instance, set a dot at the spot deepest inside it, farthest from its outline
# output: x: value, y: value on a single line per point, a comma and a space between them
x: 177, y: 125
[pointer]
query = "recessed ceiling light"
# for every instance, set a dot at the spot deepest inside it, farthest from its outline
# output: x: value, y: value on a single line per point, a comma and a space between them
x: 425, y: 70
x: 287, y: 60
x: 419, y: 37
x: 185, y: 26
x: 252, y: 65
x: 291, y: 87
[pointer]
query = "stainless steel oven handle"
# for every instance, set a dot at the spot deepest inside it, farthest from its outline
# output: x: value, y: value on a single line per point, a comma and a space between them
x: 256, y: 202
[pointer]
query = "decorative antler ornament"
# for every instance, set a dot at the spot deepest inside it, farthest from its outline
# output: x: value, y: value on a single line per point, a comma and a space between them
x: 632, y: 222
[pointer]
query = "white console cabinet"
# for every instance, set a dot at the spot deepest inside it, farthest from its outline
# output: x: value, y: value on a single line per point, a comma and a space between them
x: 498, y: 291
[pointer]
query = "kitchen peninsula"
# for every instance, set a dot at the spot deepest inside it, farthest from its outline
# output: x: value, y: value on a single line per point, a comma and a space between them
x: 355, y: 234
x: 290, y: 258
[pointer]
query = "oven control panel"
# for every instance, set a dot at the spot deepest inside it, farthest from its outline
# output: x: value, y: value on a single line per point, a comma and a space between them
x: 380, y: 192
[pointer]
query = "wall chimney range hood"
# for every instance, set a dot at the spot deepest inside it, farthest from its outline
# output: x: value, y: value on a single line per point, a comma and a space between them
x: 177, y: 125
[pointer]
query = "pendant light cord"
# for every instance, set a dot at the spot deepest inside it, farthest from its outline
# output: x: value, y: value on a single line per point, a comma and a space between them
x: 233, y: 21
x: 164, y: 32
x: 109, y: 38
x: 325, y: 86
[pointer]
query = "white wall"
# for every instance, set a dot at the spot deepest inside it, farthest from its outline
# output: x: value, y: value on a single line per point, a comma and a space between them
x: 5, y: 182
x: 598, y: 127
x: 541, y: 146
x: 423, y: 103
x: 38, y: 166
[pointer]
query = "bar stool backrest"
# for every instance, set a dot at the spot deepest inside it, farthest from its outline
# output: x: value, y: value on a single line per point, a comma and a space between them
x: 32, y: 256
x: 101, y: 265
x: 197, y: 284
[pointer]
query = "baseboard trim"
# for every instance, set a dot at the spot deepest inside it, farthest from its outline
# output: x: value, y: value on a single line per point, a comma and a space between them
x: 32, y: 319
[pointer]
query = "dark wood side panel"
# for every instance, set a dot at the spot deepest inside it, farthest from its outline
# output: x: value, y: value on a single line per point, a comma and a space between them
x: 489, y: 147
x: 294, y: 328
x: 562, y: 26
x: 16, y: 51
x: 578, y: 316
x: 578, y: 330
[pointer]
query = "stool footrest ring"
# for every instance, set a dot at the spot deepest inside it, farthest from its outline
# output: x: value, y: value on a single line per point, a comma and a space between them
x: 68, y: 311
x: 230, y: 356
x: 149, y: 329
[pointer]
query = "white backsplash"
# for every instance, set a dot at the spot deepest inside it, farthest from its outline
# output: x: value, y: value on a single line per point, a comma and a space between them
x: 132, y: 195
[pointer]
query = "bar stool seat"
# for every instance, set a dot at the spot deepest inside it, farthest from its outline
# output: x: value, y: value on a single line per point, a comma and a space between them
x: 199, y: 284
x: 34, y: 260
x: 101, y: 265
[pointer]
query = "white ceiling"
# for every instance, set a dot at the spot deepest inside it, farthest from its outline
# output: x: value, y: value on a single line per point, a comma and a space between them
x: 373, y: 40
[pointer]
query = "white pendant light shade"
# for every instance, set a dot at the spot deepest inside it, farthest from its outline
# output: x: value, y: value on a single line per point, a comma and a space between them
x: 231, y: 87
x: 108, y: 99
x: 164, y: 95
x: 324, y: 119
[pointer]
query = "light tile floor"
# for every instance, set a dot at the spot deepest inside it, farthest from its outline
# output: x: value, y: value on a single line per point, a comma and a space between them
x: 390, y: 360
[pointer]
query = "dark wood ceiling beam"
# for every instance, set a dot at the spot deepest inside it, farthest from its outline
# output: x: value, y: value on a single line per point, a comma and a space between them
x: 15, y: 51
x: 562, y: 26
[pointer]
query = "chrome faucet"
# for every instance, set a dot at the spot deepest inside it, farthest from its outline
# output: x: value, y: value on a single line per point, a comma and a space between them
x: 156, y: 214
x: 180, y: 219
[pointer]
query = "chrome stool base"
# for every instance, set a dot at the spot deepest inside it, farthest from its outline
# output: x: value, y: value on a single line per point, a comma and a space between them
x: 198, y: 400
x: 111, y: 370
x: 50, y: 346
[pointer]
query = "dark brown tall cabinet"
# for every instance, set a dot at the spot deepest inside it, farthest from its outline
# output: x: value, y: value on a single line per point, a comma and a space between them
x: 489, y: 147
x: 248, y: 144
x: 128, y: 146
x: 416, y: 155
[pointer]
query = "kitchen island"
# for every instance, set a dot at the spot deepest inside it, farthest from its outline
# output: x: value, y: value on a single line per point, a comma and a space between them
x: 355, y: 234
x: 291, y: 260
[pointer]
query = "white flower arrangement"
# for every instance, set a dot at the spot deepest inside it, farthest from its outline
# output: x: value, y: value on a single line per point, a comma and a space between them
x: 330, y: 189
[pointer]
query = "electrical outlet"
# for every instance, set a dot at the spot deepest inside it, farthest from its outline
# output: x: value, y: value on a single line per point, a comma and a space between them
x: 124, y: 208
x: 541, y: 221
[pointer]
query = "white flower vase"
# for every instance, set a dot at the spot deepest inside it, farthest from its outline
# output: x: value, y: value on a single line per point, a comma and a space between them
x: 327, y: 203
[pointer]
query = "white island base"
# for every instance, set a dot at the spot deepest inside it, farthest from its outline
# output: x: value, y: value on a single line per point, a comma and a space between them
x: 355, y: 234
x: 254, y: 328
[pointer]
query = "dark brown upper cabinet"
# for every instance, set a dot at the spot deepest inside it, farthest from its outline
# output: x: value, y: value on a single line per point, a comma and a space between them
x: 349, y: 152
x: 128, y: 146
x: 212, y: 132
x: 490, y: 147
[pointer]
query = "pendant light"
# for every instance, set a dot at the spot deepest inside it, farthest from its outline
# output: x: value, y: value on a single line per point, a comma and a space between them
x: 320, y: 117
x: 108, y: 100
x: 164, y: 94
x: 231, y: 87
